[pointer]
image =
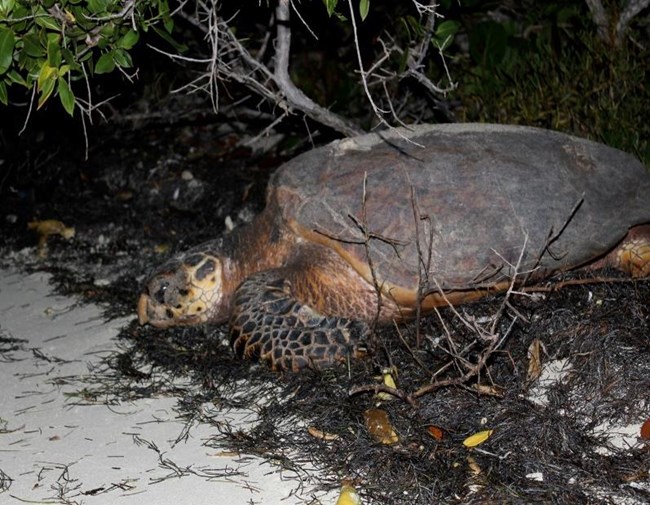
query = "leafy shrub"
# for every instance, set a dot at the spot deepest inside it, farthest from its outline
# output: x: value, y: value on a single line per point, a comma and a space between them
x: 52, y: 44
x: 546, y: 66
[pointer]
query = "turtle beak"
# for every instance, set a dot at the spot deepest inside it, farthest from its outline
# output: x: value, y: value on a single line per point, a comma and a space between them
x: 181, y: 295
x: 143, y: 304
x: 150, y: 312
x: 159, y: 315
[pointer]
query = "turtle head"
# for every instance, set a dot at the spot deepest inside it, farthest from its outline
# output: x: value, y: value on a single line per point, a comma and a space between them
x: 186, y: 290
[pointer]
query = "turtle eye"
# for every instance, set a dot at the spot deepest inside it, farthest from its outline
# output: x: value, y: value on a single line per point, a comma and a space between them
x: 159, y: 295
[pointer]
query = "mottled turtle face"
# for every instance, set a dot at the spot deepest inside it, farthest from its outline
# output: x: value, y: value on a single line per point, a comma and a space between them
x: 185, y: 291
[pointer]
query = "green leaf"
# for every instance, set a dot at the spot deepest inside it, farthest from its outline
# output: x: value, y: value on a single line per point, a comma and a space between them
x: 163, y: 10
x: 84, y: 57
x: 53, y: 52
x: 122, y: 58
x: 32, y: 45
x: 108, y: 30
x: 68, y: 56
x: 20, y: 11
x: 163, y: 7
x: 168, y: 23
x: 105, y: 64
x: 330, y: 5
x: 16, y: 78
x: 81, y: 15
x: 47, y: 21
x: 7, y: 42
x: 364, y: 7
x: 6, y: 6
x: 403, y: 62
x: 129, y: 40
x: 445, y: 33
x: 166, y: 36
x: 415, y: 26
x: 447, y: 28
x: 4, y: 97
x: 66, y: 96
x: 98, y: 6
x: 46, y: 89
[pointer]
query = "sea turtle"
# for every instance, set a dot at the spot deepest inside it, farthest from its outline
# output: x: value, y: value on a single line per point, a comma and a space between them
x: 445, y: 217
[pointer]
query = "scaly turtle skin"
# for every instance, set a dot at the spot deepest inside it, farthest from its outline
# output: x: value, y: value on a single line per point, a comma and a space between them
x: 364, y: 229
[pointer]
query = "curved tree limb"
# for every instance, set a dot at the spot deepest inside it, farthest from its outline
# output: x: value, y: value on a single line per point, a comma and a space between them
x: 229, y: 59
x: 295, y: 97
x: 631, y: 10
x: 604, y: 21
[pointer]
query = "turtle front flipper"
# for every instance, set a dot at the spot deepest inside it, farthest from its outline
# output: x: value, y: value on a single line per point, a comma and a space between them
x: 270, y: 324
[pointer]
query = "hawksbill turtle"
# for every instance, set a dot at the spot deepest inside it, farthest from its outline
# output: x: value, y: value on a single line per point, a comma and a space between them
x: 368, y: 229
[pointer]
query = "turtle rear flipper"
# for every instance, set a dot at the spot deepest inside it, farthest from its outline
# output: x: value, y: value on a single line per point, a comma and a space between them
x: 631, y: 255
x: 268, y: 323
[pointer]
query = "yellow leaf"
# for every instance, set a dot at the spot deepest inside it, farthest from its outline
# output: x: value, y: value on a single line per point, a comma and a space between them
x: 388, y: 381
x: 51, y: 227
x: 161, y: 248
x: 488, y: 390
x: 46, y: 81
x: 436, y: 432
x: 45, y: 74
x: 322, y: 435
x: 645, y: 430
x: 535, y: 360
x: 380, y: 427
x: 348, y: 496
x: 477, y: 438
x: 474, y: 467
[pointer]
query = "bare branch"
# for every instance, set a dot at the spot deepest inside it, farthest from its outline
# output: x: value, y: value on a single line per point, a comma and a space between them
x: 599, y: 17
x: 231, y: 60
x: 294, y: 96
x: 416, y: 57
x: 378, y: 112
x: 29, y: 111
x: 631, y: 10
x: 213, y: 34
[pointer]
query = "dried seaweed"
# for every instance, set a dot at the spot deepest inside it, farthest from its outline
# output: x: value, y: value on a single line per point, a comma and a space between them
x: 556, y: 448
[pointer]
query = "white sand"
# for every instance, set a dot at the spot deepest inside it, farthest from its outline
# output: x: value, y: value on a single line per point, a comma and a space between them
x: 54, y: 450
